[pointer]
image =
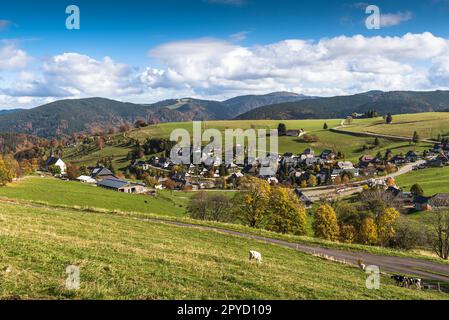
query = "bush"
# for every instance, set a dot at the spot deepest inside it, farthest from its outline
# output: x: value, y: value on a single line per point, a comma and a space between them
x: 408, y: 235
x: 212, y: 207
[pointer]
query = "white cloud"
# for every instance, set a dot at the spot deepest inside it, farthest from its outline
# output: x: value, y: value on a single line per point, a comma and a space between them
x: 218, y: 69
x: 327, y: 67
x: 12, y: 58
x: 393, y: 19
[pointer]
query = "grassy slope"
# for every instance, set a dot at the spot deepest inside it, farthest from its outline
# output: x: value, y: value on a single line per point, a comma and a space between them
x: 435, y: 180
x: 123, y: 258
x: 428, y: 125
x: 57, y: 192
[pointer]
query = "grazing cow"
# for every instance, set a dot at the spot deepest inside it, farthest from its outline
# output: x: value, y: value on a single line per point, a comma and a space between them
x: 400, y: 280
x: 415, y: 282
x: 256, y: 256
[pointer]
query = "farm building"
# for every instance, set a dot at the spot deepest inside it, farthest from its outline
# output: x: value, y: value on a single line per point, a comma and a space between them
x: 122, y: 186
x: 101, y: 173
x: 86, y: 179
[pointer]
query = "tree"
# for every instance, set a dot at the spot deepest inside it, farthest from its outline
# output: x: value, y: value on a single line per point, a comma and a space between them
x: 150, y: 181
x: 99, y: 142
x: 282, y: 129
x: 287, y: 213
x: 251, y: 205
x: 4, y: 173
x: 376, y: 142
x: 385, y: 225
x: 348, y: 234
x: 206, y: 206
x: 416, y: 138
x: 55, y: 170
x: 417, y: 190
x: 325, y: 224
x: 311, y: 182
x: 368, y: 232
x: 325, y: 127
x: 73, y: 172
x: 440, y: 230
x: 389, y: 118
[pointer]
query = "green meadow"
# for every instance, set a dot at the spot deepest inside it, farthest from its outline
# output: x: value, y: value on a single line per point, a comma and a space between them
x: 428, y: 125
x: 76, y: 194
x: 123, y: 258
x: 433, y: 181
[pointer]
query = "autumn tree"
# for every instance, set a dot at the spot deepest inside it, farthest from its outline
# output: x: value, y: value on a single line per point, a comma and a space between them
x: 287, y: 213
x: 385, y: 222
x: 416, y: 138
x: 251, y: 205
x: 348, y: 234
x: 368, y: 232
x: 325, y: 127
x: 73, y: 171
x: 325, y: 224
x: 440, y: 232
x: 389, y: 118
x: 150, y: 181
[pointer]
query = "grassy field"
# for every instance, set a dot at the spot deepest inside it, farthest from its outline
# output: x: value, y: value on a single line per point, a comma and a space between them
x: 121, y: 258
x: 58, y: 192
x: 435, y: 180
x: 428, y: 125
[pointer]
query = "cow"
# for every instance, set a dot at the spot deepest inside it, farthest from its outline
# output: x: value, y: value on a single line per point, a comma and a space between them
x: 254, y: 255
x: 414, y: 282
x: 400, y: 280
x: 407, y: 282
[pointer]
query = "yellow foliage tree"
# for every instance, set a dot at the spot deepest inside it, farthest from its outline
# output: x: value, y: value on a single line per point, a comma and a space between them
x: 251, y: 205
x: 385, y: 225
x: 368, y: 232
x: 287, y: 213
x: 325, y: 224
x: 348, y: 234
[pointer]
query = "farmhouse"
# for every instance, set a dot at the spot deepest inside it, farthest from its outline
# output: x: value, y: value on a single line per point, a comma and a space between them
x: 438, y: 201
x: 122, y: 186
x: 55, y: 161
x: 101, y: 173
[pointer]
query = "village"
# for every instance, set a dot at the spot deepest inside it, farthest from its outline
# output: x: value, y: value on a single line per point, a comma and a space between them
x: 306, y: 171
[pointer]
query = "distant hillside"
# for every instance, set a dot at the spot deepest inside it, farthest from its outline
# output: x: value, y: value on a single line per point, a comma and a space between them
x: 8, y: 111
x: 68, y: 116
x: 244, y: 104
x: 83, y: 115
x: 395, y: 102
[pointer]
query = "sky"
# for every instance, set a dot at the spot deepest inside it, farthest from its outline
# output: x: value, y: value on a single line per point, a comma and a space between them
x: 146, y: 51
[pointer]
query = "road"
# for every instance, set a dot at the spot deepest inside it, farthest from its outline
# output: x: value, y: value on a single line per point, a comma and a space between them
x: 423, y: 269
x: 355, y: 187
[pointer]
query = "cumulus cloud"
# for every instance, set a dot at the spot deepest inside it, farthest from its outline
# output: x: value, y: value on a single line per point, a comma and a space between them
x: 218, y: 69
x: 326, y: 67
x: 12, y: 58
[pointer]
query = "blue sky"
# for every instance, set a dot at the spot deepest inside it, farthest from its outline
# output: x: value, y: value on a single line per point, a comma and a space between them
x: 149, y: 50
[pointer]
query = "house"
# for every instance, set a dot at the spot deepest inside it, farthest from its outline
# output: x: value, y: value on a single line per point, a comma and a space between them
x: 438, y: 201
x: 365, y: 160
x: 422, y: 203
x: 398, y: 160
x: 101, y: 173
x: 411, y: 156
x: 327, y: 155
x: 435, y: 163
x: 122, y: 186
x: 345, y: 165
x: 293, y: 133
x: 405, y: 197
x: 55, y: 161
x: 304, y: 199
x: 86, y: 179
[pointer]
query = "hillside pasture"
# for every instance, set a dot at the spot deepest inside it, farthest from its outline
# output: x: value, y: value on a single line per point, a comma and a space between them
x: 122, y: 258
x: 428, y: 125
x: 71, y: 194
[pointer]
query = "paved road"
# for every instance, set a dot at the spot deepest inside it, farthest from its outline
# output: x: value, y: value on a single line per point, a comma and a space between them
x: 407, y: 266
x: 355, y: 187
